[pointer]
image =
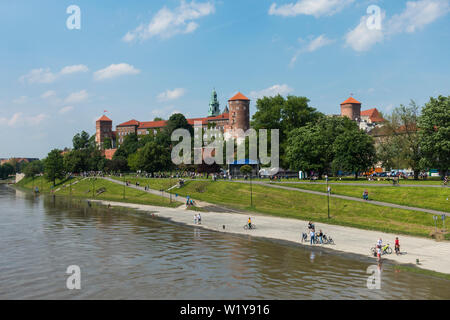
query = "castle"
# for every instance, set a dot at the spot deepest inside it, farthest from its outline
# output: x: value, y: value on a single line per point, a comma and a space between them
x: 235, y: 116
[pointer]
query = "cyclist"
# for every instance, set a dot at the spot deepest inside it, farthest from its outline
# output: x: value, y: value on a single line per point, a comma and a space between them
x: 249, y: 222
x: 397, y: 246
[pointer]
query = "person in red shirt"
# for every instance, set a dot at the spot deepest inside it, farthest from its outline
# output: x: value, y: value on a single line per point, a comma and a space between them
x: 397, y: 246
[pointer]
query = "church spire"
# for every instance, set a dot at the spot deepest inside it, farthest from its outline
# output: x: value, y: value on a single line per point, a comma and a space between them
x: 214, y: 107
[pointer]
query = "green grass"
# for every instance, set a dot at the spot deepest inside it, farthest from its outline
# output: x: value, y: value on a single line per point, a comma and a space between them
x: 428, y: 198
x: 422, y: 271
x: 153, y: 183
x: 292, y: 204
x: 429, y: 181
x: 114, y: 192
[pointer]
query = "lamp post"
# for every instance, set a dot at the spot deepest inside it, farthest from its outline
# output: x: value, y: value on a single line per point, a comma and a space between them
x: 251, y: 189
x: 124, y: 184
x: 328, y: 196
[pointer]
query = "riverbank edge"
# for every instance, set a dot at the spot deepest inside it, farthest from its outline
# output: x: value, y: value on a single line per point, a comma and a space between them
x: 345, y: 254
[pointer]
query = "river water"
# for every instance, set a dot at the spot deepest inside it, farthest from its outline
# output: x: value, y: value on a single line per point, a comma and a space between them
x: 128, y: 255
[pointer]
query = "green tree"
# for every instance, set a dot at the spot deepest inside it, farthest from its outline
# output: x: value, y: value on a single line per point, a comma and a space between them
x: 402, y: 126
x: 434, y: 134
x: 310, y: 148
x: 107, y: 143
x: 75, y: 161
x: 354, y: 151
x: 81, y: 140
x: 54, y: 166
x: 285, y: 115
x: 246, y: 169
x: 153, y: 157
x: 33, y: 168
x: 6, y: 170
x: 129, y: 146
x: 177, y: 121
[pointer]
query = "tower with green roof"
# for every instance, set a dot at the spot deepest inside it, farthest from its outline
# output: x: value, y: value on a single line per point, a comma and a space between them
x: 214, y: 107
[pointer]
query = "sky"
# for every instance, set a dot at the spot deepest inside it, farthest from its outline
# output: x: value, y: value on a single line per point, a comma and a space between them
x: 135, y: 59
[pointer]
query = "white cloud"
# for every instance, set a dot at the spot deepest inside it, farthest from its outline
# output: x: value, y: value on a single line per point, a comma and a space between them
x: 48, y: 94
x: 42, y: 75
x: 171, y: 94
x: 314, y: 8
x: 115, y: 70
x: 65, y: 109
x: 167, y: 23
x: 74, y: 69
x: 19, y: 119
x: 77, y: 97
x: 416, y: 15
x: 362, y: 38
x: 272, y: 91
x: 39, y: 76
x: 21, y: 100
x: 313, y: 45
x: 318, y: 43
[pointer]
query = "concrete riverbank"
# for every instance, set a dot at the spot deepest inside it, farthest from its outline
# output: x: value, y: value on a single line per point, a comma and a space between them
x: 432, y: 255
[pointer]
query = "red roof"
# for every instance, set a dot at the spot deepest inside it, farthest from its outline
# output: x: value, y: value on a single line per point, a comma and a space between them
x: 351, y: 101
x: 104, y: 118
x: 152, y: 124
x: 373, y: 115
x: 239, y: 96
x: 129, y: 123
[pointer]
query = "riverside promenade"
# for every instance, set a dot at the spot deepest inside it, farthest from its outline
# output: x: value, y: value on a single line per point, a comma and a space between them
x: 432, y: 255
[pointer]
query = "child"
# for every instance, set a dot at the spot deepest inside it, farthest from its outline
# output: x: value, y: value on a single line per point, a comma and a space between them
x: 397, y: 246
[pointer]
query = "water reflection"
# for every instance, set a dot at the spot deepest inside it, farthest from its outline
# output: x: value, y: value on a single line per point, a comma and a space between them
x: 127, y: 255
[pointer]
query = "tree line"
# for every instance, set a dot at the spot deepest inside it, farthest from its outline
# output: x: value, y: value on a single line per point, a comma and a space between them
x: 310, y: 141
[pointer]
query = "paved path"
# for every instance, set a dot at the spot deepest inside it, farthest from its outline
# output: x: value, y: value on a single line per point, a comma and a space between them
x: 378, y: 203
x: 432, y: 255
x: 368, y: 184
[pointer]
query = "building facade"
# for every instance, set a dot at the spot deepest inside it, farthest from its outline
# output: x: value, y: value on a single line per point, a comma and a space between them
x: 235, y: 116
x: 367, y: 119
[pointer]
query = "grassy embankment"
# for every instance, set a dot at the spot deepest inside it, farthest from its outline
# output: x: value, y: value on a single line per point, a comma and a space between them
x: 427, y: 198
x: 83, y: 189
x: 292, y: 204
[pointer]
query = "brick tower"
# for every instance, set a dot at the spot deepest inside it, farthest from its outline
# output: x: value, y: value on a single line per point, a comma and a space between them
x: 239, y: 112
x: 351, y: 108
x: 103, y: 130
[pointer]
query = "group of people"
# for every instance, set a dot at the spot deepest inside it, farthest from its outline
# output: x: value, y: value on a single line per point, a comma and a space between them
x: 380, y: 249
x: 189, y: 202
x: 313, y: 234
x: 197, y: 218
x: 366, y: 195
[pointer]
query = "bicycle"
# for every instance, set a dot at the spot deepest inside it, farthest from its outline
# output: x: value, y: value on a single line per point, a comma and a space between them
x: 252, y: 226
x: 385, y: 250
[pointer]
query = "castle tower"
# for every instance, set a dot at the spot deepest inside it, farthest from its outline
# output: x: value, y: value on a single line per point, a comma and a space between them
x: 214, y: 107
x: 351, y: 108
x: 239, y: 113
x: 103, y: 130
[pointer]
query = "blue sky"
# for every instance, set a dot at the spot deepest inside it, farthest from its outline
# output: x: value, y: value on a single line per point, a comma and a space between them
x: 141, y: 59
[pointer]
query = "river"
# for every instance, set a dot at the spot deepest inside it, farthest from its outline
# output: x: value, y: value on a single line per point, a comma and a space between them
x: 127, y: 255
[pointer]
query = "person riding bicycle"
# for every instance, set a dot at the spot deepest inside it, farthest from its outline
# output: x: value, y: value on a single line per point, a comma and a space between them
x: 249, y: 222
x: 385, y: 248
x: 397, y: 246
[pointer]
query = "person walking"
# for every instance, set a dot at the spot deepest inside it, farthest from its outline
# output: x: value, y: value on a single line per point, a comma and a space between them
x: 195, y: 219
x: 320, y: 235
x: 312, y: 235
x: 397, y: 246
x: 199, y: 218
